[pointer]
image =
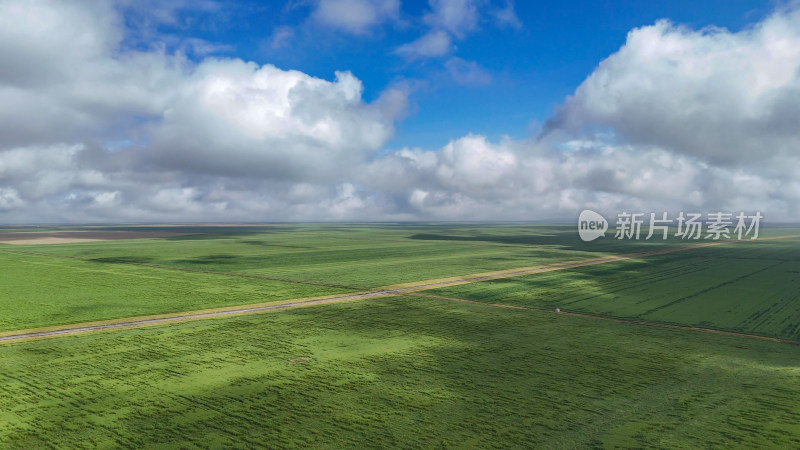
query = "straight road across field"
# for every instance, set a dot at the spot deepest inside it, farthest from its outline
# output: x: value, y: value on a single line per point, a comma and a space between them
x: 400, y: 289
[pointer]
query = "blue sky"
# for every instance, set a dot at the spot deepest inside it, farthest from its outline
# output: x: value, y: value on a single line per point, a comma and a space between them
x: 347, y: 110
x: 533, y: 67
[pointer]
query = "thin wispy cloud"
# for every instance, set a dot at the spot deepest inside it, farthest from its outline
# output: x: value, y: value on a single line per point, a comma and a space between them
x: 355, y: 16
x: 467, y: 72
x: 432, y: 45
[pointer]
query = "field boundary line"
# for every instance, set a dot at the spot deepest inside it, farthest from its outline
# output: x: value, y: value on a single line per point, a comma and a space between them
x: 387, y: 291
x: 614, y: 319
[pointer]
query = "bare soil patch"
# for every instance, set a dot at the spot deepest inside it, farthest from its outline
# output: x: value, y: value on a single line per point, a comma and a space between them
x: 73, y: 236
x: 301, y: 360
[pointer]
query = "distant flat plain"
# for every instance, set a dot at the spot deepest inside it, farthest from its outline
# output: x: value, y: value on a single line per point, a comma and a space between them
x: 398, y: 371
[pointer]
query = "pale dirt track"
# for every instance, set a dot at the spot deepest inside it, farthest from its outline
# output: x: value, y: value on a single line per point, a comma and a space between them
x: 400, y: 289
x: 76, y: 236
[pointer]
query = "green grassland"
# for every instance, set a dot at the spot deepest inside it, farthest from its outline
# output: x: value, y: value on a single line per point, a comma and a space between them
x: 750, y: 287
x: 67, y: 283
x: 366, y: 256
x: 400, y: 372
x: 40, y: 291
x: 45, y: 285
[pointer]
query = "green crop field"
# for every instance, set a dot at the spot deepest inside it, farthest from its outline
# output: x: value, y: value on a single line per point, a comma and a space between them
x: 750, y: 287
x: 66, y: 283
x: 403, y: 371
x: 355, y: 255
x: 47, y: 285
x: 41, y: 291
x: 400, y: 372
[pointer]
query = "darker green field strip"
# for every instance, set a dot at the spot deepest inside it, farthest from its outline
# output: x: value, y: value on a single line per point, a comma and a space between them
x: 39, y: 291
x: 732, y: 281
x: 400, y: 372
x: 747, y: 288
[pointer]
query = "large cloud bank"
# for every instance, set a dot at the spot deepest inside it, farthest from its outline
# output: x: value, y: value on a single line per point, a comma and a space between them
x: 94, y: 130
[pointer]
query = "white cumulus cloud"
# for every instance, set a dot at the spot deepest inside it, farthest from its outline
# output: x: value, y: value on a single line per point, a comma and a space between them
x: 725, y: 97
x: 93, y: 130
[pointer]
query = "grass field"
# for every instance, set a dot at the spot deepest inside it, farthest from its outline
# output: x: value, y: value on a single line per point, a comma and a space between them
x: 743, y: 287
x: 47, y: 285
x: 401, y: 371
x: 355, y: 255
x: 40, y: 291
